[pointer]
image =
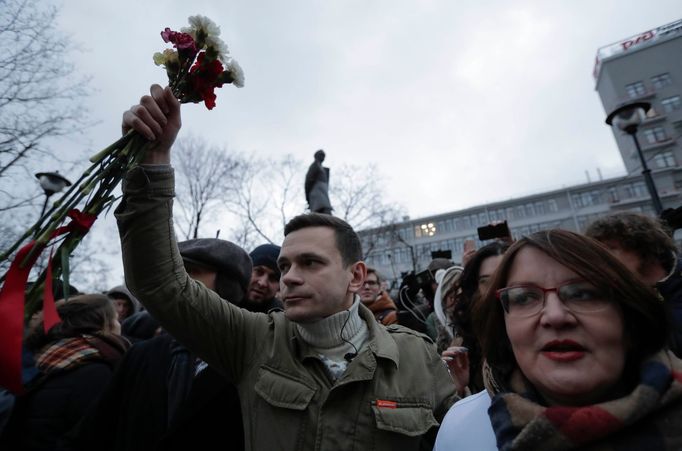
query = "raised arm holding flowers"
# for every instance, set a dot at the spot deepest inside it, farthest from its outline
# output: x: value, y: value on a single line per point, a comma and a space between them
x: 198, y: 63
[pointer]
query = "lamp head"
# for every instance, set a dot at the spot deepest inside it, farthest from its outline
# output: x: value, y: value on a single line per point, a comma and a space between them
x: 52, y: 182
x: 628, y: 117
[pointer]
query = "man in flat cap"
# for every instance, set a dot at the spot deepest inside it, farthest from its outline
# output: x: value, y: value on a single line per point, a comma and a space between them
x: 317, y: 186
x: 163, y: 396
x: 323, y: 374
x: 264, y: 285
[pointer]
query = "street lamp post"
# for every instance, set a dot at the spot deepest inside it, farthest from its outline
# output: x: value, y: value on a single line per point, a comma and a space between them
x: 51, y: 183
x: 628, y: 118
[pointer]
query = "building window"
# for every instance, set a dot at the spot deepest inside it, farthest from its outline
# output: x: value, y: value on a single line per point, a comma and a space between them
x: 520, y: 212
x: 613, y: 195
x: 665, y: 159
x: 482, y: 218
x: 586, y: 199
x: 677, y: 125
x: 552, y: 205
x: 530, y: 210
x: 671, y: 104
x: 428, y: 229
x: 634, y: 190
x: 492, y: 214
x: 582, y: 223
x: 539, y: 208
x: 661, y: 81
x: 655, y: 134
x: 635, y: 89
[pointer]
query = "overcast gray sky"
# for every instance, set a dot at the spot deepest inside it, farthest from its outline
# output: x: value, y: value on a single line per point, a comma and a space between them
x: 459, y: 103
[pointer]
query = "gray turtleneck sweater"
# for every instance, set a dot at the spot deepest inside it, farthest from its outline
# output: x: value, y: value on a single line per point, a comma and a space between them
x: 335, y: 336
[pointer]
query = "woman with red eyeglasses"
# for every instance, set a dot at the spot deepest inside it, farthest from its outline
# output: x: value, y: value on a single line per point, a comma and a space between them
x: 575, y: 356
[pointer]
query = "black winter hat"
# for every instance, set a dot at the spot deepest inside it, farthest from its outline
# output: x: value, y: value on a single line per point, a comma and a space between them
x: 139, y: 326
x: 224, y: 257
x: 266, y: 255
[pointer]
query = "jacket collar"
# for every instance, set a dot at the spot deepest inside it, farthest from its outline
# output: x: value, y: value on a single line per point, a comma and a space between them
x: 380, y: 341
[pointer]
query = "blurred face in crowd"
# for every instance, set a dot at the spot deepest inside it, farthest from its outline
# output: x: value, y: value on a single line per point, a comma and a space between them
x: 264, y: 284
x: 315, y: 283
x: 123, y: 308
x: 370, y: 289
x: 648, y: 274
x: 485, y: 273
x: 35, y: 321
x: 571, y: 358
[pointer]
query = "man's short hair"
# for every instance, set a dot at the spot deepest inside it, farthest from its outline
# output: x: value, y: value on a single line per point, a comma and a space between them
x: 347, y: 241
x: 640, y: 234
x: 371, y: 270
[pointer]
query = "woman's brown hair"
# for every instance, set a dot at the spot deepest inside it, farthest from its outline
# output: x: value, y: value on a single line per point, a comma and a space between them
x: 83, y: 314
x: 646, y: 324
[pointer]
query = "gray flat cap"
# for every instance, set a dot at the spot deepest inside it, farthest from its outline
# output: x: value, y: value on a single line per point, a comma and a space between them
x: 222, y: 256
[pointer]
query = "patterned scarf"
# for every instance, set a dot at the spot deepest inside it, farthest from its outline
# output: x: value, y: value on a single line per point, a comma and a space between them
x: 69, y: 353
x: 649, y: 417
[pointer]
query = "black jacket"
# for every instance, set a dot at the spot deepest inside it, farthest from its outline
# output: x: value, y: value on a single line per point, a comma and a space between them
x: 671, y: 290
x: 53, y: 406
x: 155, y: 401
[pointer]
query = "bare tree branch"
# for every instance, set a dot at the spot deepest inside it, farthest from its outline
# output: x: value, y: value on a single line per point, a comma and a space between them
x: 359, y: 199
x: 266, y: 195
x: 205, y: 174
x: 40, y: 96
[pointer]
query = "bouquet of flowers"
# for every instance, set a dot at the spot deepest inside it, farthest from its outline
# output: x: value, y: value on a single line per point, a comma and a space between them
x: 197, y: 64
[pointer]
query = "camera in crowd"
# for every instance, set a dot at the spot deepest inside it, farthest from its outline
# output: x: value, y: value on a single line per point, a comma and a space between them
x: 672, y: 217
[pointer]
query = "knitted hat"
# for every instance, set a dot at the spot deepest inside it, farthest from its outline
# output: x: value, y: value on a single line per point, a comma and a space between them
x: 446, y: 279
x: 266, y: 255
x: 439, y: 263
x: 139, y: 326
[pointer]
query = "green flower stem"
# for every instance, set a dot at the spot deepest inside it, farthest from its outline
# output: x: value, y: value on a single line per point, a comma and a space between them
x: 99, y: 156
x: 50, y: 213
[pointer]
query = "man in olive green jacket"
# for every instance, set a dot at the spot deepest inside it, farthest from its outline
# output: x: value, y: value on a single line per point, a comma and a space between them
x: 323, y: 375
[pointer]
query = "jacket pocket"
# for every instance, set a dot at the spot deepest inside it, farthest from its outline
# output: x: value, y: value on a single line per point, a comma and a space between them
x: 412, y: 421
x: 282, y: 391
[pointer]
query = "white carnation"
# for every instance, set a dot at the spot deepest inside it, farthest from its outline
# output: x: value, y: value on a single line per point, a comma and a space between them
x: 236, y: 72
x: 209, y: 27
x: 219, y: 47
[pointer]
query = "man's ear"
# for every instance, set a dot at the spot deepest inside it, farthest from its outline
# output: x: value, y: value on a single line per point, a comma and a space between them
x: 358, y: 274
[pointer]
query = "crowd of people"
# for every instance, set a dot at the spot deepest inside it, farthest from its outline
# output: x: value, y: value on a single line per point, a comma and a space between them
x: 555, y: 341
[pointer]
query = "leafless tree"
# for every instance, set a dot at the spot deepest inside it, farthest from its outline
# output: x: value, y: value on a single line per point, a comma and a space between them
x: 205, y: 174
x: 265, y: 196
x: 359, y: 199
x: 40, y: 96
x: 243, y: 234
x: 40, y: 99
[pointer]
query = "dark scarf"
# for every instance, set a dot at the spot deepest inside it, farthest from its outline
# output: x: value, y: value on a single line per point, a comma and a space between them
x: 648, y: 417
x: 69, y: 353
